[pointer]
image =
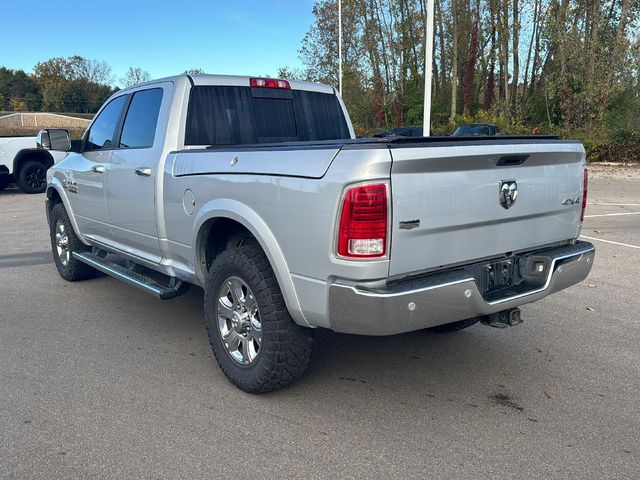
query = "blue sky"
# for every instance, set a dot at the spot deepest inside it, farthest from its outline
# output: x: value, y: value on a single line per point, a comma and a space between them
x: 249, y: 37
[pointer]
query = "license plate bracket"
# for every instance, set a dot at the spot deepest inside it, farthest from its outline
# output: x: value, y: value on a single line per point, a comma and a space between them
x: 499, y: 274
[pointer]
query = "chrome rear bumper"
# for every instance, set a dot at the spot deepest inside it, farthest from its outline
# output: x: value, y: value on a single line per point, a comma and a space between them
x: 447, y: 296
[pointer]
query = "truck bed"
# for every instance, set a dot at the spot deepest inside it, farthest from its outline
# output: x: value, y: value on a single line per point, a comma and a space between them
x: 448, y: 187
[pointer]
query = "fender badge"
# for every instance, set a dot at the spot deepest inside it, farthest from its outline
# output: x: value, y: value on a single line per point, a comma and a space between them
x: 69, y: 185
x: 571, y: 201
x: 409, y: 224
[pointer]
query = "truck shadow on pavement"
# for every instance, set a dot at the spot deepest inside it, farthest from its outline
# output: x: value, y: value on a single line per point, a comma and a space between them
x: 467, y: 367
x: 476, y: 368
x: 471, y: 367
x: 13, y: 190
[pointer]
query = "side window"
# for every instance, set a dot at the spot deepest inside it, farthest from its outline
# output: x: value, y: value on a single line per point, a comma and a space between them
x: 139, y: 128
x: 104, y: 127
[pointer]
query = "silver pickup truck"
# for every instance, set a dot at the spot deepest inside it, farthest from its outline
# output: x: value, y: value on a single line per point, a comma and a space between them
x: 257, y: 191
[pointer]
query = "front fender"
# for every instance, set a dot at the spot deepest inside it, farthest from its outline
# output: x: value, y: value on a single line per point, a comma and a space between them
x: 54, y: 182
x: 241, y: 213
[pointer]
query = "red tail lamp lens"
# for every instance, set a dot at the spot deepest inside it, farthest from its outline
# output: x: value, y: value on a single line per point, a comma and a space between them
x: 584, y: 193
x: 363, y: 222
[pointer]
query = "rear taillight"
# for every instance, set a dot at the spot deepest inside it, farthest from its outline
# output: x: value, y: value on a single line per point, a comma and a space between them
x: 363, y: 222
x: 584, y: 193
x: 269, y: 83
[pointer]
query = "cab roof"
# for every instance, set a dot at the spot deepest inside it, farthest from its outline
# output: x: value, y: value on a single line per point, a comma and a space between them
x: 235, y: 80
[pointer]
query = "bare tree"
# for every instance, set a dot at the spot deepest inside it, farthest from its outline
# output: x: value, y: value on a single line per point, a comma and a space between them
x: 527, y: 62
x: 134, y: 76
x: 98, y: 71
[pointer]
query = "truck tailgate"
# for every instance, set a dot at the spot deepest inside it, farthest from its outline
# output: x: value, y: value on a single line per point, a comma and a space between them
x: 453, y: 191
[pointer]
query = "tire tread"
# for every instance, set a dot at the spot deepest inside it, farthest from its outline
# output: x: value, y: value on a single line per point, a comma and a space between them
x: 75, y: 269
x: 286, y: 354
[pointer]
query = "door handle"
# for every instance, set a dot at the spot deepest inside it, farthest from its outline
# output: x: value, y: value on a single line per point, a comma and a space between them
x: 143, y: 171
x: 98, y: 169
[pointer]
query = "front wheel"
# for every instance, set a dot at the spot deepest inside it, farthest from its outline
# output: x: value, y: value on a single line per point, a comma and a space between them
x: 64, y: 242
x: 254, y: 339
x: 32, y: 177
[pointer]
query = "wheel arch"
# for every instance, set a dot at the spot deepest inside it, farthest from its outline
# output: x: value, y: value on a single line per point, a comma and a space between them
x: 55, y: 194
x: 29, y: 154
x: 224, y: 218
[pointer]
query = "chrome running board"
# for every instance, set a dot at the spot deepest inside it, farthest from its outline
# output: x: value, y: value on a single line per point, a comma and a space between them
x: 163, y: 292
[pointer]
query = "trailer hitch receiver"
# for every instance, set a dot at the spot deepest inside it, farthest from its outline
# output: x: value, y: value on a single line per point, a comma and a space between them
x: 504, y: 319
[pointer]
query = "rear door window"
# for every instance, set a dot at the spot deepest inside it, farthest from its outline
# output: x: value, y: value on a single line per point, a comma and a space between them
x: 139, y: 129
x: 103, y: 129
x: 221, y: 115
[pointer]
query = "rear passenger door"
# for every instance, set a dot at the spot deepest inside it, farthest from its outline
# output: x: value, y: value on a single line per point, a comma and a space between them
x: 133, y: 173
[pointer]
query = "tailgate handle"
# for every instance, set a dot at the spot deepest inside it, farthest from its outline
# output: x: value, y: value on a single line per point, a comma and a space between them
x: 511, y: 160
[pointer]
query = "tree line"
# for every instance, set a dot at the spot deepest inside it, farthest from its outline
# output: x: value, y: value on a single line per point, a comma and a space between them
x: 570, y: 67
x: 527, y: 65
x: 73, y: 84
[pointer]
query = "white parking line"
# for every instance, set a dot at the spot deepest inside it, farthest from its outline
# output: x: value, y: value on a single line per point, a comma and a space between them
x: 612, y: 214
x: 610, y: 241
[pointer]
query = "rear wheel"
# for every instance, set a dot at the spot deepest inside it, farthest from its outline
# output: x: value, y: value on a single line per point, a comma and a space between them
x: 4, y: 182
x: 64, y: 242
x: 454, y: 327
x: 32, y: 177
x: 254, y: 339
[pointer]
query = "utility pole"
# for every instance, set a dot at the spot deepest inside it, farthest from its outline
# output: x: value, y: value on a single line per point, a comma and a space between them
x: 340, y: 45
x: 428, y: 69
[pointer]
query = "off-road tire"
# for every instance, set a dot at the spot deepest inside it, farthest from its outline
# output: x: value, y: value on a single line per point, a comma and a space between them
x: 286, y: 347
x: 454, y: 327
x: 32, y: 177
x: 74, y: 270
x: 4, y: 182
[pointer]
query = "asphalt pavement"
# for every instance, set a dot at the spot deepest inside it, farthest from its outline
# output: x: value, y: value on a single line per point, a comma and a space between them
x: 99, y: 380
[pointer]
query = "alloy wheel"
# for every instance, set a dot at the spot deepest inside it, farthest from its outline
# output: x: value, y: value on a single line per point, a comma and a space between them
x: 36, y: 177
x: 239, y: 322
x: 62, y: 243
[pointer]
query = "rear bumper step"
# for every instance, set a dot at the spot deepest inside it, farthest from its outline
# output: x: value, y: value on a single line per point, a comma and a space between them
x: 450, y: 296
x: 143, y: 282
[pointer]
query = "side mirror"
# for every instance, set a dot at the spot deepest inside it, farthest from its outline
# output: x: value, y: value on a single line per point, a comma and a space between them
x: 54, y: 139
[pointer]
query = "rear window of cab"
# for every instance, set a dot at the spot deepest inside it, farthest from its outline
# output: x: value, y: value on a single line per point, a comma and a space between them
x: 228, y: 115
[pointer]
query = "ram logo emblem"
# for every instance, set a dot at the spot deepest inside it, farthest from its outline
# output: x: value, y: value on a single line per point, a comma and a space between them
x: 507, y: 193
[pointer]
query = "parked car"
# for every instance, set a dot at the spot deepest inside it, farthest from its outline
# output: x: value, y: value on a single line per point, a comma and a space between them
x: 257, y: 191
x: 476, y: 129
x: 415, y: 131
x: 23, y: 163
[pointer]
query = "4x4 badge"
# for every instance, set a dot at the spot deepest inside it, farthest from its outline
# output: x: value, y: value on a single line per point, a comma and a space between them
x: 507, y: 193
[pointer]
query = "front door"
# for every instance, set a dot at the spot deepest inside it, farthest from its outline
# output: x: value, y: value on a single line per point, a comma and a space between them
x: 86, y: 184
x: 133, y: 174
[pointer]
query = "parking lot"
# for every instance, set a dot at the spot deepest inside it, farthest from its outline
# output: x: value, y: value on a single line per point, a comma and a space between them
x: 99, y: 380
